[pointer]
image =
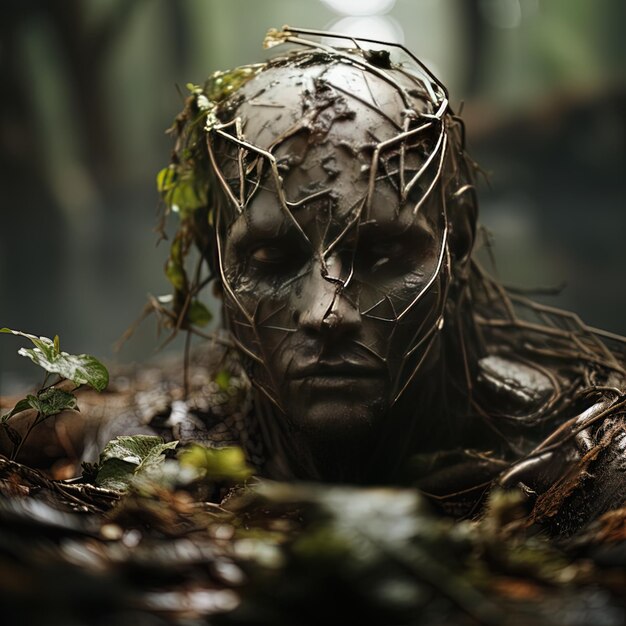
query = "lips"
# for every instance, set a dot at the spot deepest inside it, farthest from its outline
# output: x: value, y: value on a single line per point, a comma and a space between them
x: 338, y: 370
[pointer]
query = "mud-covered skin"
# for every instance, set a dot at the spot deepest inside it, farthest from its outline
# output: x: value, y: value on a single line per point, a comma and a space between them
x: 379, y: 350
x: 372, y: 338
x: 336, y: 265
x: 345, y: 218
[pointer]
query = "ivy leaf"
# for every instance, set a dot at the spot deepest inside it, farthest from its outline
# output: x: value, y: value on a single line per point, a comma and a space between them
x: 125, y: 457
x: 217, y: 463
x: 81, y: 369
x: 47, y: 346
x: 52, y: 401
x: 115, y: 474
x: 22, y: 405
x: 175, y: 273
x: 222, y: 379
x: 198, y: 314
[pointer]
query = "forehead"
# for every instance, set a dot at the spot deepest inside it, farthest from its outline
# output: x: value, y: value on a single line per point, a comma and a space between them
x: 323, y: 122
x: 321, y: 96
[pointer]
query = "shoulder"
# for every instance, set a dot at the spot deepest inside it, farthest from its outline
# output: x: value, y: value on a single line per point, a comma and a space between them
x: 514, y: 386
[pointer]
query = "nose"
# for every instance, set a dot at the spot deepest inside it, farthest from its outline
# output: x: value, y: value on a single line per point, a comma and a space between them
x: 325, y: 307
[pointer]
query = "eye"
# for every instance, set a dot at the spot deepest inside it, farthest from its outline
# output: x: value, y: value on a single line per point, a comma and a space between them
x: 269, y: 258
x: 380, y: 255
x: 268, y: 255
x: 380, y: 262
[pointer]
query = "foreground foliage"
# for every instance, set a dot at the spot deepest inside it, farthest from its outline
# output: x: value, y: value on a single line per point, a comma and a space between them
x: 72, y: 371
x: 158, y: 551
x: 161, y: 533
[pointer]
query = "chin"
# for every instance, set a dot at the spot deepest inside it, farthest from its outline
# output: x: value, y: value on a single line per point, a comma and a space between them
x: 337, y: 423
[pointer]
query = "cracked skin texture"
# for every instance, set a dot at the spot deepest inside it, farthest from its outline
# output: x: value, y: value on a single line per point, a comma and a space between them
x: 491, y: 390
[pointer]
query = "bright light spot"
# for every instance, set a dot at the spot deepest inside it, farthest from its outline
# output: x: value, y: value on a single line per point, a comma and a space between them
x: 382, y: 28
x: 360, y: 7
x: 502, y: 13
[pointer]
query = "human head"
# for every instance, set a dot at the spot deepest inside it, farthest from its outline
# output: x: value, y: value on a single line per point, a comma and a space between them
x: 343, y: 211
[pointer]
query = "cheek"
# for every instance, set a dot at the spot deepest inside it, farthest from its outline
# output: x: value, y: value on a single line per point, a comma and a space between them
x: 260, y: 315
x: 389, y: 297
x: 399, y: 311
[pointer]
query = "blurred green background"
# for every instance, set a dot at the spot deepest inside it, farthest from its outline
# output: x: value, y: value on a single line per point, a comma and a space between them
x: 89, y: 86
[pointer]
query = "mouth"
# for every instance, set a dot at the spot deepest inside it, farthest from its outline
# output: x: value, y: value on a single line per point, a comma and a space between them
x: 336, y: 370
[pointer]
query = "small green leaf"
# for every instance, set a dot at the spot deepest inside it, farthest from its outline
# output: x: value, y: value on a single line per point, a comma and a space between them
x: 198, y: 314
x: 175, y: 273
x: 125, y: 457
x: 166, y: 179
x: 33, y: 402
x: 42, y: 343
x: 175, y: 266
x: 115, y: 474
x: 217, y: 463
x: 52, y: 401
x: 22, y: 405
x: 223, y: 379
x: 57, y: 344
x: 185, y: 196
x: 82, y: 369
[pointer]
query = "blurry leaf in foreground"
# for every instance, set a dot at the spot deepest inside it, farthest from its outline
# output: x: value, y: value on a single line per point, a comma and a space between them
x: 126, y: 457
x: 217, y: 464
x: 386, y: 555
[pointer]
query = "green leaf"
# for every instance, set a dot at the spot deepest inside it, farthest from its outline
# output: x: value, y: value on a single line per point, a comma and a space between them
x: 22, y: 405
x: 198, y: 314
x: 82, y: 369
x: 223, y: 379
x: 175, y: 273
x: 217, y: 463
x: 52, y: 401
x: 44, y: 344
x: 125, y: 457
x: 185, y: 196
x: 115, y: 474
x: 166, y: 179
x: 175, y: 266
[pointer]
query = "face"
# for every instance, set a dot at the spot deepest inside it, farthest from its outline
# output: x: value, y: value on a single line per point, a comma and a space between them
x: 333, y: 248
x: 334, y: 288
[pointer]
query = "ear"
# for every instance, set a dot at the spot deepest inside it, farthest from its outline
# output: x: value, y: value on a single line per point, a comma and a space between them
x: 462, y: 215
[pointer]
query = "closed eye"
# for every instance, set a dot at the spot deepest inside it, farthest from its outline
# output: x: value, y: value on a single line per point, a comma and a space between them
x: 269, y: 255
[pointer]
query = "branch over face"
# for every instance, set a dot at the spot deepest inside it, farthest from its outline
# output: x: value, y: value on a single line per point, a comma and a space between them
x: 340, y: 215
